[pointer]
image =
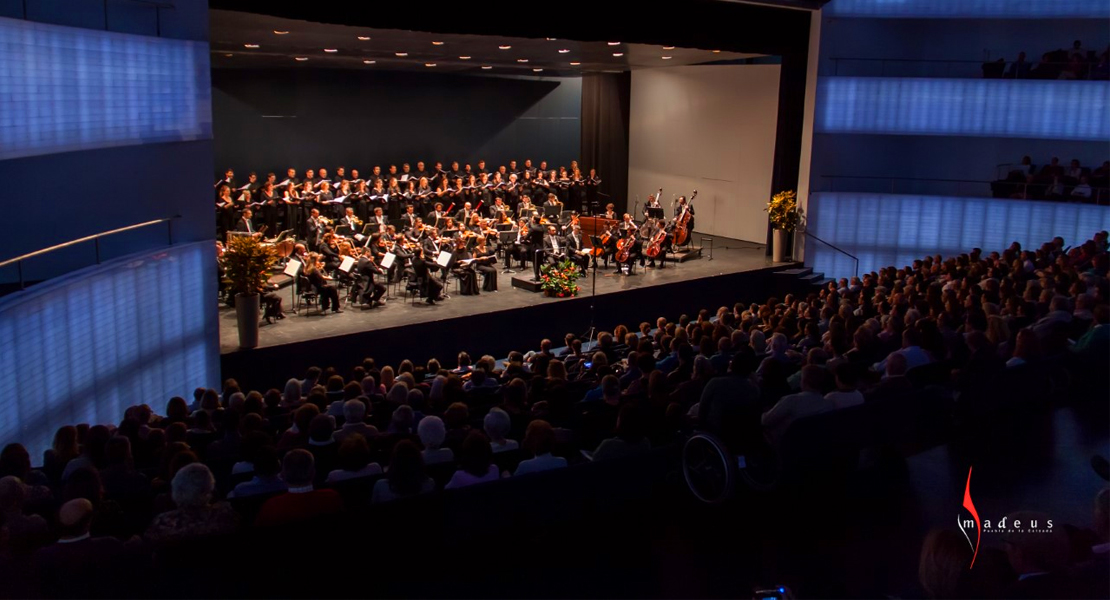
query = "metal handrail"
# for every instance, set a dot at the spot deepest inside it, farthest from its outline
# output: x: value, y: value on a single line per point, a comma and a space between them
x: 18, y: 260
x: 836, y: 60
x: 840, y: 250
x: 1098, y: 194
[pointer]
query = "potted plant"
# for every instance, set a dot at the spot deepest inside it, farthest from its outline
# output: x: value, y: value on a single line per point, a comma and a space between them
x: 783, y: 212
x: 247, y: 265
x: 558, y: 280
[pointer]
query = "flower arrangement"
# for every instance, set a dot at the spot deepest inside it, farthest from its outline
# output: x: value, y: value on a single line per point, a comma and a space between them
x: 559, y: 280
x: 783, y: 211
x: 247, y: 264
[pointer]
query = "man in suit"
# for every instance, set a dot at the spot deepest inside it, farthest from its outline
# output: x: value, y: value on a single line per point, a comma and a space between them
x: 349, y: 219
x: 245, y: 225
x: 574, y: 244
x: 464, y: 214
x: 378, y: 222
x: 371, y: 291
x: 409, y: 218
x: 78, y: 565
x: 315, y: 228
x: 425, y: 269
x: 437, y: 217
x: 534, y: 243
x: 553, y: 250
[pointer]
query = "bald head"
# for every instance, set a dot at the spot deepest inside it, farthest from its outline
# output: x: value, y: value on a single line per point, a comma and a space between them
x: 75, y: 517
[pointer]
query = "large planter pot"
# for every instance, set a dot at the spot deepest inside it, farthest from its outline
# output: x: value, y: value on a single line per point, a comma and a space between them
x: 247, y: 312
x: 778, y: 248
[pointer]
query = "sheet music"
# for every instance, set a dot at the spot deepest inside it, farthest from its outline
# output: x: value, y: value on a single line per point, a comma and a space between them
x: 244, y: 187
x: 359, y: 237
x: 346, y: 264
x: 387, y: 260
x: 444, y: 258
x: 293, y: 267
x: 334, y: 200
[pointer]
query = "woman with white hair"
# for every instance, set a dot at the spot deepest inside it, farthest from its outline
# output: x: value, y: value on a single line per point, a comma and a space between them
x: 196, y: 516
x: 432, y: 432
x: 398, y: 394
x: 292, y: 396
x: 497, y: 424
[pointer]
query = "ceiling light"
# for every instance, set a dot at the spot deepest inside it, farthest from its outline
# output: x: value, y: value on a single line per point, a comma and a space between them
x: 536, y: 70
x: 429, y: 64
x: 229, y: 55
x: 668, y: 47
x: 564, y: 50
x: 575, y: 64
x: 716, y: 52
x: 364, y: 38
x: 250, y: 45
x: 437, y: 43
x: 401, y: 54
x: 522, y: 60
x: 486, y: 67
x: 331, y: 50
x: 552, y: 39
x: 369, y: 62
x: 667, y: 58
x: 464, y: 58
x: 504, y: 47
x: 614, y: 43
x: 618, y: 54
x: 302, y: 58
x: 280, y: 32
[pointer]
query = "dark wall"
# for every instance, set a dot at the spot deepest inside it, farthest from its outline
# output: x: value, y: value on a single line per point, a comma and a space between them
x: 273, y: 120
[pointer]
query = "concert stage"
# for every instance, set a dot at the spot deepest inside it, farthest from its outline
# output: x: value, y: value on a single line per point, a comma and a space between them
x: 493, y: 322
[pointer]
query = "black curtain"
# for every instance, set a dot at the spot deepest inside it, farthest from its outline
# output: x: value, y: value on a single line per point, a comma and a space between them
x: 605, y: 110
x: 788, y: 139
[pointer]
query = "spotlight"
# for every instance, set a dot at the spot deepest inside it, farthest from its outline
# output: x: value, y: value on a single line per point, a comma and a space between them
x: 464, y: 58
x: 537, y: 70
x: 668, y: 47
x: 429, y: 64
x: 667, y: 58
x: 522, y: 60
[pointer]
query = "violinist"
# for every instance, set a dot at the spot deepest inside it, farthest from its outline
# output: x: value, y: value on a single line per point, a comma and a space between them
x: 519, y: 248
x: 451, y: 229
x: 465, y: 271
x: 329, y: 294
x: 328, y: 249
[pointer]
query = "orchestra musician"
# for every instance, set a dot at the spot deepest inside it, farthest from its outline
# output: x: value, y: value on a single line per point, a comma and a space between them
x: 409, y: 218
x: 350, y: 220
x: 465, y: 213
x: 328, y: 249
x: 659, y: 231
x: 499, y: 212
x: 630, y: 237
x: 682, y: 208
x: 610, y: 212
x: 245, y: 225
x: 424, y: 269
x: 652, y: 202
x: 553, y: 251
x: 553, y: 202
x: 370, y: 291
x: 465, y: 271
x: 535, y: 245
x: 519, y: 249
x: 437, y: 218
x: 484, y: 259
x: 329, y: 294
x: 379, y: 221
x: 525, y: 207
x: 575, y: 249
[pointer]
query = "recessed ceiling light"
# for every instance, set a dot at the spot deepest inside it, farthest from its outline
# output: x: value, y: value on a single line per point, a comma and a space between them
x: 302, y: 58
x: 280, y: 32
x: 536, y: 70
x: 331, y: 50
x: 522, y: 60
x: 464, y: 58
x: 250, y: 45
x: 564, y: 50
x: 369, y: 62
x: 716, y: 52
x: 575, y: 64
x: 437, y: 43
x: 364, y: 38
x: 668, y: 47
x: 614, y: 43
x: 229, y: 55
x: 504, y: 47
x: 552, y: 39
x: 618, y: 54
x: 666, y: 58
x: 401, y: 54
x: 429, y: 64
x: 486, y: 67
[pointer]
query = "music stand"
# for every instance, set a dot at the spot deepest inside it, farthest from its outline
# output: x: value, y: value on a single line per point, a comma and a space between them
x: 552, y: 212
x: 293, y: 269
x: 654, y: 213
x: 506, y: 239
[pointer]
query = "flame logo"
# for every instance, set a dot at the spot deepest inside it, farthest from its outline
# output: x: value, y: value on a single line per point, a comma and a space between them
x: 970, y: 506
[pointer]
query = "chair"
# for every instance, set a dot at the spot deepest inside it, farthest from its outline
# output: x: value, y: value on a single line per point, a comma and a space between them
x: 308, y: 294
x: 415, y: 286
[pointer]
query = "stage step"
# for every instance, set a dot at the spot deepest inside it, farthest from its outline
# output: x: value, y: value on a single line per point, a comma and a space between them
x: 686, y: 254
x: 822, y: 283
x: 812, y: 278
x: 526, y: 284
x: 800, y: 272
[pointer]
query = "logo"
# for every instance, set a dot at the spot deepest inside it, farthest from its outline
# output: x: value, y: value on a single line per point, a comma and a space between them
x: 1020, y: 523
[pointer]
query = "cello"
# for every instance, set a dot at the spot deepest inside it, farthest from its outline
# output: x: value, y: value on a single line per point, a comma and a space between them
x: 682, y: 224
x: 655, y: 246
x: 624, y: 248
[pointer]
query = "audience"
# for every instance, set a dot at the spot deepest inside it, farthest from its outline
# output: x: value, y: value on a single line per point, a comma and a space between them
x: 302, y: 501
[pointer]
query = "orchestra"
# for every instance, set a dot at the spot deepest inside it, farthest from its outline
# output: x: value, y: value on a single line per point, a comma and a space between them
x: 424, y: 226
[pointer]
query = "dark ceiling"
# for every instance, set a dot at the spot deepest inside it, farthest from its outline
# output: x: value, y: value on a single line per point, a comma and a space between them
x: 246, y: 40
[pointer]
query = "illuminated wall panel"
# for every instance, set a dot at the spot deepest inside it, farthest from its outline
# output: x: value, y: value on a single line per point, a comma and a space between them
x: 1073, y: 110
x: 888, y: 229
x: 82, y: 348
x: 65, y: 89
x: 947, y: 9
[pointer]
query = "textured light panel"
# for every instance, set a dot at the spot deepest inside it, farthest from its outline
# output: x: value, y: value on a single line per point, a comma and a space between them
x: 82, y: 348
x: 1061, y: 110
x: 947, y: 9
x: 891, y: 229
x: 65, y: 88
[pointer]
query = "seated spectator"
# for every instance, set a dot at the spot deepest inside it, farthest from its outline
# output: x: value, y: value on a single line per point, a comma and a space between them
x: 354, y: 416
x: 302, y: 501
x: 195, y: 516
x: 403, y: 418
x: 457, y: 421
x: 1039, y: 561
x: 405, y: 477
x: 795, y: 406
x: 496, y: 425
x: 480, y: 380
x: 631, y: 438
x: 729, y: 407
x: 354, y: 461
x: 15, y: 460
x: 1082, y: 190
x: 297, y: 435
x: 432, y: 432
x: 79, y: 565
x: 120, y: 479
x: 25, y: 532
x: 539, y: 442
x: 64, y: 449
x: 267, y: 470
x: 475, y: 462
x: 846, y: 393
x: 894, y: 380
x: 911, y: 349
x: 1027, y: 348
x: 322, y: 445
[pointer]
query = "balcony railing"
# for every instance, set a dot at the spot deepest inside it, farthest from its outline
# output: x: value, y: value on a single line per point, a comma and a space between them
x: 1001, y: 188
x: 963, y: 69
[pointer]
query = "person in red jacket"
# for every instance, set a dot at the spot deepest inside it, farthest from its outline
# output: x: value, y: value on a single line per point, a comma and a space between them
x: 301, y: 502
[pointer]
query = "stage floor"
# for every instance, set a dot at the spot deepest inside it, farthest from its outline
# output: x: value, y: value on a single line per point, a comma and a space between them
x: 729, y: 256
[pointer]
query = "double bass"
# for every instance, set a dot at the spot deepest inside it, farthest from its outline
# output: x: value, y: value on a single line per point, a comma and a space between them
x: 682, y: 225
